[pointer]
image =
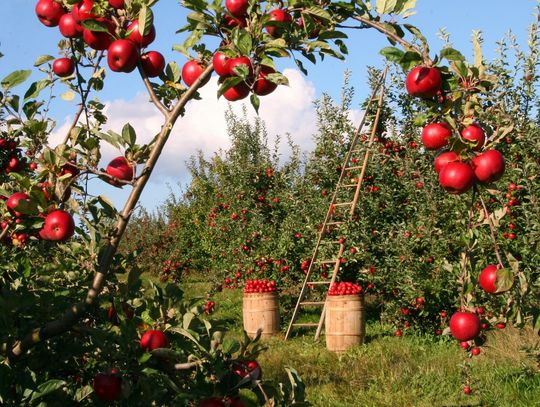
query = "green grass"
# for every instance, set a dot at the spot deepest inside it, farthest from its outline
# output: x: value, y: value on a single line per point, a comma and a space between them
x: 390, y: 371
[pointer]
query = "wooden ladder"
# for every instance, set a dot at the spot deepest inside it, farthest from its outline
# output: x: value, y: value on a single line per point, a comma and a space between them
x: 348, y: 165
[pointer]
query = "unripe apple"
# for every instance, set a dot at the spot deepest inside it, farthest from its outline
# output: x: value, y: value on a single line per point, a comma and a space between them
x: 456, y: 177
x: 153, y: 63
x: 122, y: 56
x: 49, y: 12
x: 436, y: 135
x: 59, y: 226
x: 63, y: 67
x: 423, y: 82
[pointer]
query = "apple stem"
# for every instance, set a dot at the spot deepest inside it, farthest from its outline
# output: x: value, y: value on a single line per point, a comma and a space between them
x: 492, y: 231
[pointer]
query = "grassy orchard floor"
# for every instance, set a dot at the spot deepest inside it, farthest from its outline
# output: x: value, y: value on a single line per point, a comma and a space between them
x: 391, y: 371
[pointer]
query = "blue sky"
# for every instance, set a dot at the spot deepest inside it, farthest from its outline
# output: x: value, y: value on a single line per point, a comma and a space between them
x: 23, y: 38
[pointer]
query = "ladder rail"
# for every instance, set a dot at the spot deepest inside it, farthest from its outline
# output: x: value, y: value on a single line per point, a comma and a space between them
x: 331, y: 208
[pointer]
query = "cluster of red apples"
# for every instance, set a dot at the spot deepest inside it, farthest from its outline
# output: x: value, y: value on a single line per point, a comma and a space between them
x: 260, y: 286
x: 123, y: 42
x: 345, y: 288
x: 457, y: 174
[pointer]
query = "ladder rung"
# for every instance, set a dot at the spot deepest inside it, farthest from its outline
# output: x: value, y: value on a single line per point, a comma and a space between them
x: 343, y: 204
x: 330, y: 242
x: 347, y: 185
x: 328, y: 261
x: 306, y: 324
x: 318, y: 282
x: 334, y: 223
x: 313, y: 303
x: 356, y: 167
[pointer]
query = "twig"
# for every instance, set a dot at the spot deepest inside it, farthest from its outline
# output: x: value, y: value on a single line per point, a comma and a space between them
x: 187, y: 365
x: 492, y: 231
x: 73, y: 314
x: 161, y: 107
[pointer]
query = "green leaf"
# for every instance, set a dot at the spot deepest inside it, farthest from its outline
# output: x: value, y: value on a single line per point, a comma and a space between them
x: 231, y: 346
x: 43, y: 59
x: 35, y: 89
x: 47, y: 388
x: 318, y: 12
x: 229, y: 83
x: 392, y: 53
x: 15, y: 78
x: 107, y: 205
x: 505, y: 280
x: 452, y: 54
x: 129, y: 135
x: 96, y: 26
x: 385, y: 6
x: 146, y: 20
x: 172, y: 72
x: 249, y: 398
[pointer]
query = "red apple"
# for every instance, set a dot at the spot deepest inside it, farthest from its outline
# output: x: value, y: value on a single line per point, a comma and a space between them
x: 63, y: 67
x: 59, y: 226
x: 13, y: 201
x: 154, y: 339
x: 83, y: 11
x: 122, y: 56
x: 69, y: 27
x: 237, y: 8
x: 49, y: 12
x: 456, y: 177
x: 237, y: 92
x: 488, y: 279
x: 464, y: 326
x: 136, y: 37
x: 232, y: 63
x: 120, y: 168
x: 108, y: 387
x: 117, y: 4
x: 191, y: 72
x: 474, y: 134
x: 263, y: 86
x: 283, y: 18
x: 219, y: 62
x: 232, y: 22
x: 423, y: 82
x: 99, y: 40
x: 212, y: 402
x: 488, y: 166
x: 444, y: 158
x: 153, y: 63
x: 436, y: 135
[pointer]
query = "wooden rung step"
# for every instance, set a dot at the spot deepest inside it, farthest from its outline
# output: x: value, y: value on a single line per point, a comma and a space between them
x: 327, y: 261
x: 334, y: 223
x: 347, y: 185
x: 343, y: 204
x: 319, y: 282
x: 356, y: 167
x: 330, y: 242
x: 312, y: 303
x: 306, y: 324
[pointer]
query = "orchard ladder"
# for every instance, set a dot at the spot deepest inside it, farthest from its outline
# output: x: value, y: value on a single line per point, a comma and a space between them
x: 350, y: 163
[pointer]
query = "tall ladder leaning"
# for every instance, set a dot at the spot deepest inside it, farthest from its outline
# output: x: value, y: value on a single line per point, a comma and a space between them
x: 376, y: 96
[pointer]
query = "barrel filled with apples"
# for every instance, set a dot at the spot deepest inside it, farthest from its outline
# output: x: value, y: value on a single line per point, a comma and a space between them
x: 345, y: 322
x: 261, y: 308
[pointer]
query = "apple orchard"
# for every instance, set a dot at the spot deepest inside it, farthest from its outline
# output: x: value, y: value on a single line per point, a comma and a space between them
x: 444, y: 241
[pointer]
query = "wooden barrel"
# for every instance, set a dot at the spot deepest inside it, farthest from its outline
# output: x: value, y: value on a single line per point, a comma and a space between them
x: 261, y: 310
x: 345, y: 322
